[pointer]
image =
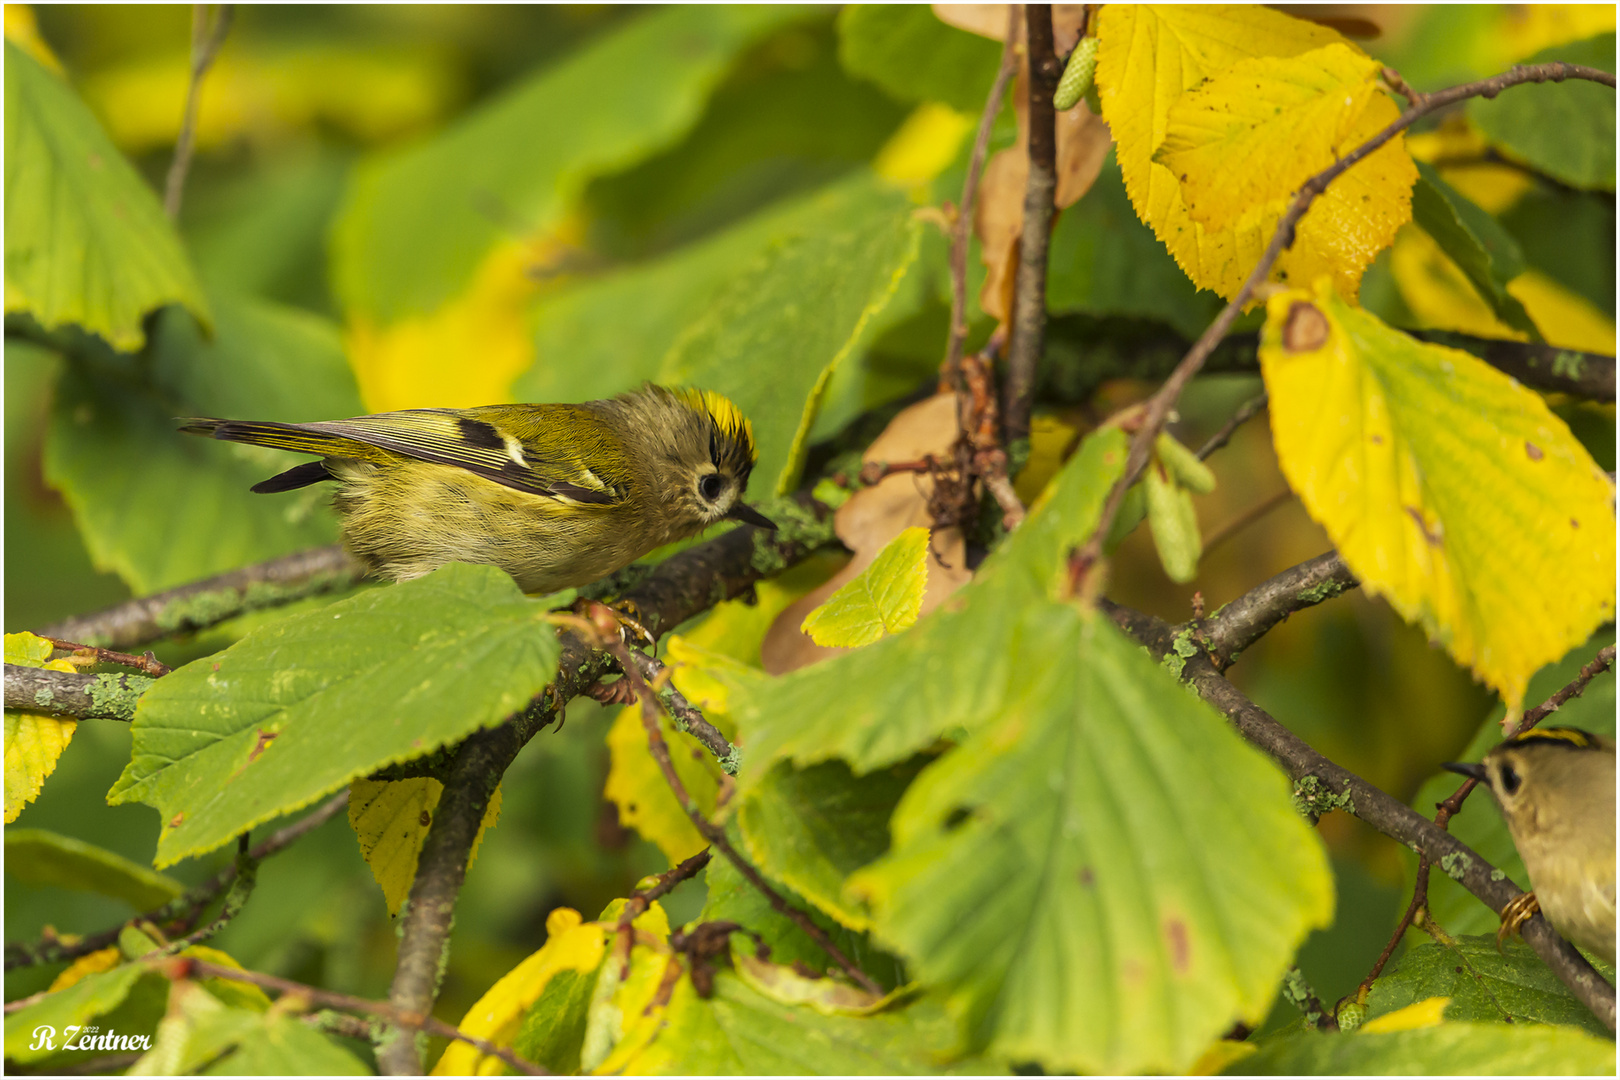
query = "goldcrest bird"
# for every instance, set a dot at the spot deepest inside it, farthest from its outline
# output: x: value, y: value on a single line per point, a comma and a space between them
x: 555, y: 495
x: 1556, y: 790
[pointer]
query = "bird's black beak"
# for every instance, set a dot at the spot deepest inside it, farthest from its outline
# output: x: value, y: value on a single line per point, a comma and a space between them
x: 741, y: 511
x: 1462, y: 768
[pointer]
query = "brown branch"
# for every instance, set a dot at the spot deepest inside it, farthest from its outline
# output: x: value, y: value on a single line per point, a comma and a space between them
x: 1537, y: 364
x: 1040, y: 190
x: 183, y: 909
x: 1246, y: 411
x: 1420, y: 900
x: 1600, y: 663
x: 641, y: 899
x: 950, y: 373
x: 1248, y: 618
x: 206, y: 40
x: 73, y: 693
x: 688, y: 717
x: 1158, y: 407
x: 146, y: 663
x: 185, y: 968
x: 212, y: 600
x: 715, y: 834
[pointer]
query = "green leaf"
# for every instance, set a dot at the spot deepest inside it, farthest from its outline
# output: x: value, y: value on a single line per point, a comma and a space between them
x: 773, y: 340
x: 1479, y: 824
x: 882, y: 599
x: 283, y: 1045
x: 1102, y: 260
x: 1483, y: 983
x: 954, y: 670
x: 418, y: 222
x: 740, y: 1032
x: 1459, y: 1049
x: 1174, y: 523
x: 299, y: 708
x: 911, y: 54
x: 733, y: 898
x: 1569, y: 236
x: 596, y: 338
x: 1103, y: 875
x: 162, y: 508
x: 86, y: 241
x: 1481, y: 248
x: 811, y: 828
x: 92, y: 996
x: 554, y: 1027
x: 42, y: 857
x: 1565, y: 130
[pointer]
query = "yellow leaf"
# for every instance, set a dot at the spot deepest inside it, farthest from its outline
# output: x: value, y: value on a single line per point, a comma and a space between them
x: 637, y: 785
x: 1565, y: 319
x: 233, y: 992
x: 1222, y: 1054
x: 1447, y: 487
x: 91, y: 963
x: 882, y: 599
x: 571, y: 945
x: 1151, y: 56
x: 391, y: 819
x: 22, y: 30
x: 1528, y: 28
x: 33, y: 741
x: 1050, y: 440
x: 1256, y: 132
x: 1438, y: 293
x: 924, y: 146
x: 1429, y: 1012
x: 464, y: 354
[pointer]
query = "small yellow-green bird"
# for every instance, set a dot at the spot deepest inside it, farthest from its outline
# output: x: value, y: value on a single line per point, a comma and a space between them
x: 555, y: 495
x: 1555, y: 786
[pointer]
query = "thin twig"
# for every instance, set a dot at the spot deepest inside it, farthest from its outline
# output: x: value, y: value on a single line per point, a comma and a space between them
x: 950, y: 372
x: 182, y: 909
x: 1420, y: 900
x: 1040, y: 191
x: 1600, y: 663
x: 1245, y: 412
x: 186, y: 967
x: 206, y: 40
x: 1160, y: 404
x: 145, y: 663
x: 688, y: 717
x: 715, y: 834
x: 641, y: 899
x: 1248, y: 517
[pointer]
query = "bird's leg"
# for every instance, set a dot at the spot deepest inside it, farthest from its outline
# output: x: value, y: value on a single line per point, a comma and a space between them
x: 1515, y: 915
x: 625, y: 612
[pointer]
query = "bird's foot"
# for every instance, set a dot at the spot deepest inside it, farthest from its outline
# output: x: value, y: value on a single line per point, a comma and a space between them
x: 617, y: 692
x: 625, y: 613
x: 1515, y: 915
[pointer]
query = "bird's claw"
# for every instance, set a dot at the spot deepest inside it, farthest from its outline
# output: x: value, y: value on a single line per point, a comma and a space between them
x: 1518, y: 911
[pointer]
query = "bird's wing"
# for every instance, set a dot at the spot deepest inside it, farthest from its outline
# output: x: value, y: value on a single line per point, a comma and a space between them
x: 568, y: 452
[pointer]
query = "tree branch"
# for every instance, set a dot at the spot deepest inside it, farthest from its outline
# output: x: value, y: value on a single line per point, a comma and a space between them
x: 212, y: 600
x: 206, y: 40
x: 1246, y: 411
x: 950, y: 373
x: 1029, y: 299
x: 1537, y: 364
x: 74, y: 694
x: 1160, y: 404
x: 1248, y: 618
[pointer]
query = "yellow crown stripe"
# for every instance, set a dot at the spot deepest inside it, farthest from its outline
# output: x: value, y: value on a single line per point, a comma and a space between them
x: 727, y: 417
x: 1573, y: 736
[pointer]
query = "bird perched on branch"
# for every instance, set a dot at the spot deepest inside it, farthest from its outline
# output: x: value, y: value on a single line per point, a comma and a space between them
x: 1556, y: 790
x: 555, y: 495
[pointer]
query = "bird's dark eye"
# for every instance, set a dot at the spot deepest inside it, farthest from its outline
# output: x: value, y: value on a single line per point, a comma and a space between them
x: 1509, y: 779
x: 709, y: 487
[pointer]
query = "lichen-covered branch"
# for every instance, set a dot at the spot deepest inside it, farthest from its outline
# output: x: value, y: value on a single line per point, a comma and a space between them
x: 1248, y: 618
x: 211, y: 601
x: 72, y: 693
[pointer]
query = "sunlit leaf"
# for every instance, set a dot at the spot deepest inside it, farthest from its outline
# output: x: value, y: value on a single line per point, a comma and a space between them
x: 1566, y: 319
x: 1102, y: 876
x: 1254, y: 133
x: 883, y: 599
x: 86, y: 241
x: 1151, y: 55
x: 636, y: 784
x: 391, y: 820
x: 303, y: 706
x: 94, y: 995
x: 572, y: 948
x: 41, y: 857
x: 33, y: 741
x: 201, y: 1034
x: 1448, y: 488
